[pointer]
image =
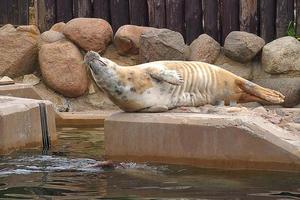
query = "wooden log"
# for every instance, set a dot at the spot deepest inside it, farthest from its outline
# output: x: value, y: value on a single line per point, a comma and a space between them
x: 14, y: 12
x: 193, y: 20
x: 82, y: 8
x: 64, y: 10
x: 175, y: 15
x: 284, y: 15
x: 138, y: 10
x: 210, y: 15
x: 229, y: 10
x: 157, y: 13
x: 298, y: 16
x: 46, y: 15
x: 248, y: 16
x: 267, y: 19
x: 119, y: 10
x: 101, y: 9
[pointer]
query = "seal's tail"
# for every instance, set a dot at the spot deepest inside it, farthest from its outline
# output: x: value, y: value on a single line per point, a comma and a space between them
x: 271, y: 96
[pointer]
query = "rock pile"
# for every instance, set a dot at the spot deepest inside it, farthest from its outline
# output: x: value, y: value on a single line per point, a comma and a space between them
x: 60, y: 52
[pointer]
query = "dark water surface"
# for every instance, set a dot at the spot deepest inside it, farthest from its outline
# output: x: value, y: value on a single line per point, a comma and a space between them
x: 67, y: 172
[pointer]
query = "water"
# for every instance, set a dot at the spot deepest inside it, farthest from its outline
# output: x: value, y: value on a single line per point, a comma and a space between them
x: 69, y: 172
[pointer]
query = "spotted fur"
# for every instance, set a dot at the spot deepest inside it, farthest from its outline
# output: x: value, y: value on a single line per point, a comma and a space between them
x: 162, y: 85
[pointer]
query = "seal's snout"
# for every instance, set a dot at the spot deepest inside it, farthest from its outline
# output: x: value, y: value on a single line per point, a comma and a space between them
x: 90, y: 56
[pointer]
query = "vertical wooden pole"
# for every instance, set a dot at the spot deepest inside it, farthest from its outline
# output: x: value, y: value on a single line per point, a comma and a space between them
x: 284, y: 15
x: 46, y: 15
x: 175, y: 15
x: 82, y: 8
x: 119, y: 10
x: 248, y: 16
x: 138, y: 12
x: 157, y: 13
x: 229, y: 17
x: 298, y: 16
x: 193, y: 19
x: 101, y: 9
x: 211, y: 18
x: 267, y: 19
x: 64, y: 10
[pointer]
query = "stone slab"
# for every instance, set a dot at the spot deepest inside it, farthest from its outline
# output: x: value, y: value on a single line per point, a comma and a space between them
x: 20, y: 123
x: 205, y: 140
x: 19, y: 90
x: 82, y: 119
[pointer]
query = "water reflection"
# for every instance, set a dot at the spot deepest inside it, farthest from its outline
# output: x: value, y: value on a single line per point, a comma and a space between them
x: 69, y: 172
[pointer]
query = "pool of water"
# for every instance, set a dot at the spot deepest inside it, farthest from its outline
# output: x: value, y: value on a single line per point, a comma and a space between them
x: 68, y: 171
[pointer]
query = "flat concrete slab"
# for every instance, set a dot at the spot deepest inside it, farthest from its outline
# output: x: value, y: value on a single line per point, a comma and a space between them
x: 19, y: 90
x: 82, y: 119
x: 235, y: 141
x: 20, y: 123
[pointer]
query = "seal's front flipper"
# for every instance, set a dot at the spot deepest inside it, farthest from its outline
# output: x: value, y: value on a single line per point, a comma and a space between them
x: 169, y: 76
x: 155, y: 109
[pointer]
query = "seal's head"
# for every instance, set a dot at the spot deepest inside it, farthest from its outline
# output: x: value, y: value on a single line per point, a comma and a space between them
x: 94, y: 61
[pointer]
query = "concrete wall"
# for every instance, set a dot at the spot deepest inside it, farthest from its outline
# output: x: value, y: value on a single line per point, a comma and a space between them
x: 205, y: 140
x: 20, y: 123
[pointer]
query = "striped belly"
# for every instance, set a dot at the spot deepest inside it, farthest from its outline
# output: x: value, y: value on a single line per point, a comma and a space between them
x: 199, y: 84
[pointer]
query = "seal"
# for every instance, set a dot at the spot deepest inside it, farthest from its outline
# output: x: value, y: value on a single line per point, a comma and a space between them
x: 163, y: 85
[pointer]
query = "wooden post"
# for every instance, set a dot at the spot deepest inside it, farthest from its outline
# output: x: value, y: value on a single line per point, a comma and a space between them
x: 193, y: 20
x: 3, y: 11
x: 82, y: 8
x: 101, y: 9
x: 138, y: 12
x: 210, y: 15
x: 46, y: 16
x: 229, y: 17
x: 64, y: 10
x: 284, y: 15
x: 119, y: 10
x: 157, y: 13
x: 267, y: 19
x: 248, y: 16
x: 175, y: 15
x: 14, y: 12
x: 298, y: 16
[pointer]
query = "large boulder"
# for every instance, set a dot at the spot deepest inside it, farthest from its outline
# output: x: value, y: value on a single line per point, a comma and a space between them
x: 282, y: 56
x: 204, y: 49
x: 127, y: 38
x: 18, y: 50
x: 162, y: 44
x: 289, y: 87
x: 242, y: 46
x: 62, y: 68
x: 89, y: 33
x: 241, y: 69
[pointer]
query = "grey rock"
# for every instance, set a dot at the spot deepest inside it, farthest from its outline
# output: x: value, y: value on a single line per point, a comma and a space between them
x: 162, y: 44
x: 282, y: 56
x: 242, y: 46
x: 204, y: 49
x: 241, y: 69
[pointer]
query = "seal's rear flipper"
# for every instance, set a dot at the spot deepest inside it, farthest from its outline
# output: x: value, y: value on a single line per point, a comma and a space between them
x: 265, y: 94
x: 169, y: 76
